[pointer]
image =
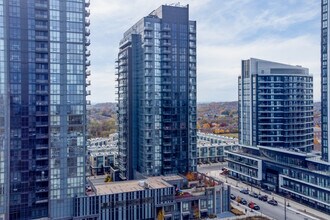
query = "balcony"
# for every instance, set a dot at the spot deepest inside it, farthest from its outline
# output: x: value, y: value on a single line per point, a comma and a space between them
x: 166, y: 36
x: 87, y: 32
x: 191, y: 45
x: 87, y: 42
x: 193, y: 38
x: 41, y: 146
x: 41, y: 168
x: 88, y: 92
x: 165, y: 44
x: 42, y: 189
x: 42, y: 70
x: 41, y: 92
x: 41, y: 27
x: 41, y: 102
x: 166, y: 59
x: 41, y: 38
x: 41, y: 16
x: 88, y: 82
x: 166, y: 28
x: 40, y: 5
x: 87, y: 3
x: 41, y: 49
x: 167, y: 159
x: 166, y: 67
x: 87, y: 12
x: 41, y: 179
x: 88, y: 73
x: 88, y: 53
x: 148, y: 36
x: 42, y: 60
x: 41, y: 113
x: 166, y: 51
x: 88, y: 63
x: 148, y: 28
x: 87, y: 22
x: 41, y: 200
x: 88, y: 102
x: 42, y: 157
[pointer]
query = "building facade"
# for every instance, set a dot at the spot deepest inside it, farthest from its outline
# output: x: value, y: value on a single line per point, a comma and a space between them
x: 325, y: 94
x: 157, y: 94
x: 102, y: 155
x: 43, y: 69
x: 103, y: 152
x: 161, y: 197
x: 275, y: 105
x: 276, y: 134
x: 211, y: 148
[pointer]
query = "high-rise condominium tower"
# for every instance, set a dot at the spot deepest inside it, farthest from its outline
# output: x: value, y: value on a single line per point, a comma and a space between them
x: 325, y: 80
x: 42, y: 106
x: 157, y: 94
x: 275, y: 105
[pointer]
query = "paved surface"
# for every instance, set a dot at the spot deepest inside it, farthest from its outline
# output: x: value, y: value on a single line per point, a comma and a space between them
x: 274, y: 212
x: 296, y: 211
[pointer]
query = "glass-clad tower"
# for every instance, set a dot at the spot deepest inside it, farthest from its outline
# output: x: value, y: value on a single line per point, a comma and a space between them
x: 157, y: 94
x: 275, y: 105
x: 43, y: 60
x: 325, y: 94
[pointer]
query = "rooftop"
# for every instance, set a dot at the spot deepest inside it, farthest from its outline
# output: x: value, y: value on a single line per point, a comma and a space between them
x: 101, y: 188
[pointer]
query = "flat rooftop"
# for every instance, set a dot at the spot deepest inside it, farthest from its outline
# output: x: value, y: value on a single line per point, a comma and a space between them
x: 102, y: 188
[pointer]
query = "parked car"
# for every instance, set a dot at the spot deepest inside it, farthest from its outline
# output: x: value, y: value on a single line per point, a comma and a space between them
x: 243, y: 201
x: 232, y: 196
x: 263, y: 198
x: 244, y: 191
x: 253, y: 194
x: 254, y: 206
x: 272, y: 202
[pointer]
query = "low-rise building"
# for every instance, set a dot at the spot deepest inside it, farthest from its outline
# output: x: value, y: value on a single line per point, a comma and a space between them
x: 298, y: 175
x: 103, y: 152
x: 102, y: 155
x: 212, y: 147
x: 165, y: 197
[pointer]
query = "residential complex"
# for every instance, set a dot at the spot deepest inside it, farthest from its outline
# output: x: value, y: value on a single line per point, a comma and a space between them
x: 275, y: 105
x: 162, y: 197
x: 276, y: 134
x: 157, y: 95
x: 102, y: 155
x: 211, y: 148
x: 103, y: 152
x: 43, y: 69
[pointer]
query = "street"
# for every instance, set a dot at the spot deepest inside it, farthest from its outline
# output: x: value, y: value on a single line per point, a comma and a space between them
x: 274, y: 212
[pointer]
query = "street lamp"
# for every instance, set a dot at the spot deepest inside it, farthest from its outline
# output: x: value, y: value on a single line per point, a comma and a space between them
x: 285, y: 208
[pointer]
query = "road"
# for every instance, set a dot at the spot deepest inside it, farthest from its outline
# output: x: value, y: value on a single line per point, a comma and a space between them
x: 274, y: 212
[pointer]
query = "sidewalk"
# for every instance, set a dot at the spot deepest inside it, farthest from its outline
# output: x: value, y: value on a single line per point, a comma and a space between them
x: 294, y: 206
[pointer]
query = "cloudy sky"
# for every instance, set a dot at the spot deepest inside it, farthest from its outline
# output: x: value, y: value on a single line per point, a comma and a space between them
x: 228, y: 31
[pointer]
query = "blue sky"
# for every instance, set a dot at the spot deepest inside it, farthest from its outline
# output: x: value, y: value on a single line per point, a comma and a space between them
x: 228, y: 31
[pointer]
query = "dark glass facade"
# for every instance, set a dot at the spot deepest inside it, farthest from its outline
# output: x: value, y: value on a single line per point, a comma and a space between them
x: 43, y: 61
x: 275, y: 105
x: 325, y: 79
x: 157, y: 94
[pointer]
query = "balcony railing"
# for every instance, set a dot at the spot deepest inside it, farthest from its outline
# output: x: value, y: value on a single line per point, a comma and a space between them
x: 87, y: 32
x: 87, y: 12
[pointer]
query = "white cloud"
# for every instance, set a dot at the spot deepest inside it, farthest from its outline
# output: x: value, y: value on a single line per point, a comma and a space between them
x: 227, y: 31
x: 219, y: 66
